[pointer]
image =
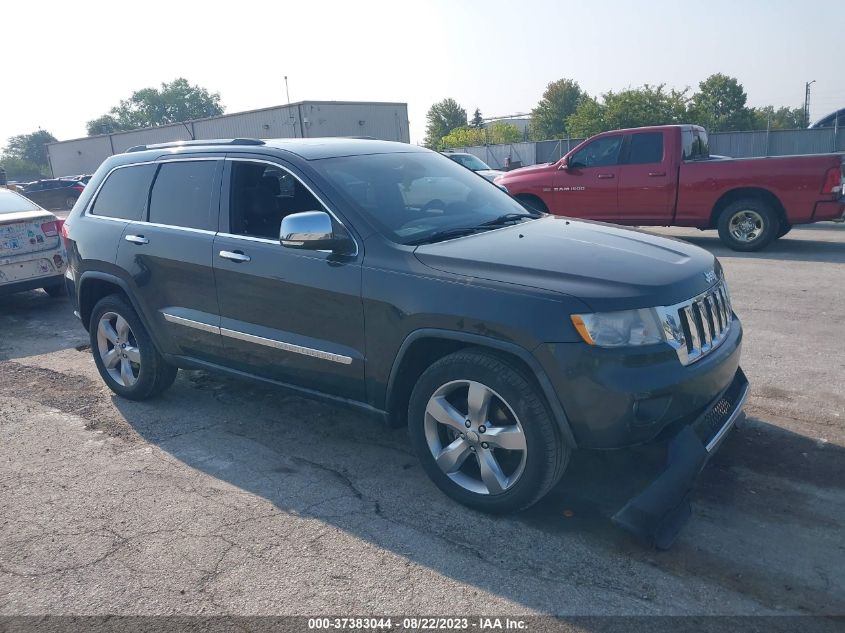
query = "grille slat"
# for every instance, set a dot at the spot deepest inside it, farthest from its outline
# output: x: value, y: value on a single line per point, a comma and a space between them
x: 705, y: 320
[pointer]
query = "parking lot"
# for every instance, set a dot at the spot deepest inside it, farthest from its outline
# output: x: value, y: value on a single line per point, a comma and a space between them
x: 230, y: 497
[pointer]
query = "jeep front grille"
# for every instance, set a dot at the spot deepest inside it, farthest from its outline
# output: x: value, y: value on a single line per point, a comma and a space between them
x: 704, y: 321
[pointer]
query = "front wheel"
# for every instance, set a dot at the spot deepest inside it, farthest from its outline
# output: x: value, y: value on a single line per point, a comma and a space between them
x: 532, y: 203
x: 748, y: 225
x: 124, y: 353
x: 484, y: 434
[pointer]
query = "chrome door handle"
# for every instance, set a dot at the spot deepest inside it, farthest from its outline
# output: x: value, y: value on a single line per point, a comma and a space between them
x: 235, y: 256
x: 655, y: 174
x: 605, y: 176
x: 136, y: 239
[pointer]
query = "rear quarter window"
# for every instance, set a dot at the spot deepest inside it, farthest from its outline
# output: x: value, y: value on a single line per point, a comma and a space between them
x: 124, y: 193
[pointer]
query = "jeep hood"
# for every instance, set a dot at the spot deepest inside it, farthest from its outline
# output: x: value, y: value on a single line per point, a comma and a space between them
x: 605, y: 266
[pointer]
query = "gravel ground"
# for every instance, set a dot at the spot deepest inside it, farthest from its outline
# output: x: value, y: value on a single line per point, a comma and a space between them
x: 225, y: 497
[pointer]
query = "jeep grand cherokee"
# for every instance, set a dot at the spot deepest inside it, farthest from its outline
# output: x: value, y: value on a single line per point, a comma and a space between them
x: 388, y: 278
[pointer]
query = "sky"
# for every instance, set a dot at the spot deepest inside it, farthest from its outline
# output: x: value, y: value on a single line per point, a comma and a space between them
x: 63, y: 68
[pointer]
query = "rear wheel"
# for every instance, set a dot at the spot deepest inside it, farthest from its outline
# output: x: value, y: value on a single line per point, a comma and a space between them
x: 784, y: 229
x: 124, y: 353
x: 748, y: 225
x: 484, y: 434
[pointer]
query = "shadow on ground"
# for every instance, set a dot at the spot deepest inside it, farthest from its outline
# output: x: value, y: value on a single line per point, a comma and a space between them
x: 314, y: 460
x: 40, y: 325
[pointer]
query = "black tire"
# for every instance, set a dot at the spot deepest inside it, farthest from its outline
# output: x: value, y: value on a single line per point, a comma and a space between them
x: 70, y: 201
x: 532, y: 203
x: 765, y: 220
x: 546, y: 454
x: 784, y: 229
x: 56, y: 290
x: 154, y: 373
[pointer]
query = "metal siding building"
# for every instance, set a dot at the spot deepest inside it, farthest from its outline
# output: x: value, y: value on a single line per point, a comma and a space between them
x: 308, y: 119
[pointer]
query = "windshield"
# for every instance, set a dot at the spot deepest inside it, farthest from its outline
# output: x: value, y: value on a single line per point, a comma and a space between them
x: 416, y: 197
x: 10, y: 202
x: 469, y: 161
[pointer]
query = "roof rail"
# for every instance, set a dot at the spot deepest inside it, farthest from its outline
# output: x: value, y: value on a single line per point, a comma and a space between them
x: 211, y: 141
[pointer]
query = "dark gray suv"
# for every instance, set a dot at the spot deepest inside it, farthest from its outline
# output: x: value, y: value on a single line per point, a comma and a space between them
x: 388, y: 278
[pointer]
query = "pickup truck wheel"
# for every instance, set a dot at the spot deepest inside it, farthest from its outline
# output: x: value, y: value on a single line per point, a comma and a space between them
x: 124, y: 353
x: 784, y: 229
x: 484, y: 433
x: 748, y: 225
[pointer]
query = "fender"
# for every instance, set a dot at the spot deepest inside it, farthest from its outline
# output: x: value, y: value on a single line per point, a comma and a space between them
x: 497, y: 344
x: 117, y: 281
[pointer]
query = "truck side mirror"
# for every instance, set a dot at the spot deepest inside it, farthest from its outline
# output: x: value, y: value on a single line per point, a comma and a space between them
x: 564, y: 164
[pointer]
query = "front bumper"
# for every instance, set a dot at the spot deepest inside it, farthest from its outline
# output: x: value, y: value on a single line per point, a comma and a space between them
x: 614, y: 398
x: 658, y: 512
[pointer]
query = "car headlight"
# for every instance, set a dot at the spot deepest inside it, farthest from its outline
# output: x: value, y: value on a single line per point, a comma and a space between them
x: 620, y: 329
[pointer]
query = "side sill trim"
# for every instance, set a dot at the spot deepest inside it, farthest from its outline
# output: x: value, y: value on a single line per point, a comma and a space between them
x: 197, y: 325
x: 287, y: 347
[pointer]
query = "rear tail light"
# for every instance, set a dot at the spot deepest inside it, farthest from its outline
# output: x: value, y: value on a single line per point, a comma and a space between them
x: 833, y: 180
x: 64, y: 230
x: 79, y: 188
x: 50, y: 229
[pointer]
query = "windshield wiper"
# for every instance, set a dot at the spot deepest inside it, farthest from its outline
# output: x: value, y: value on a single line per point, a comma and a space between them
x: 508, y: 217
x: 447, y: 234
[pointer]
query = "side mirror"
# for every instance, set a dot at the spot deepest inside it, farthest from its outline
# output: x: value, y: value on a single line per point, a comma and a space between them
x: 564, y: 164
x: 310, y: 230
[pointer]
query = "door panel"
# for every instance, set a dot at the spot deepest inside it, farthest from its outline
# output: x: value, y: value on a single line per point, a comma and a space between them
x: 292, y: 316
x: 286, y: 314
x: 588, y: 187
x: 646, y: 183
x: 171, y: 273
x: 170, y: 261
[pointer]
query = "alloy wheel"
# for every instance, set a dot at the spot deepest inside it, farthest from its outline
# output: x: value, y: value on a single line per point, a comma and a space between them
x: 746, y: 226
x: 475, y: 437
x: 118, y: 349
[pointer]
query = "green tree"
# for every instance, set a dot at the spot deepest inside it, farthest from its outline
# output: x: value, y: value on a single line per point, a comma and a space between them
x: 174, y: 102
x: 720, y: 104
x: 443, y: 117
x: 22, y: 170
x: 783, y: 118
x: 468, y: 136
x: 477, y: 120
x: 560, y: 100
x: 633, y: 107
x: 30, y: 147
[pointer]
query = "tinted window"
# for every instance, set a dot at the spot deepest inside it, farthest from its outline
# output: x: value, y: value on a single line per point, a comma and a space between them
x: 600, y: 153
x: 646, y: 147
x: 124, y: 193
x: 181, y: 195
x: 261, y: 196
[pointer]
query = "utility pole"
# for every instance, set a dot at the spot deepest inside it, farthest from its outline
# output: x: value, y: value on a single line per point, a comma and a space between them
x: 287, y: 92
x: 807, y: 102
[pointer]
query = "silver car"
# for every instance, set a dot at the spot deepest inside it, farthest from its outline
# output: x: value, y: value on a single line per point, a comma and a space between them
x: 32, y: 252
x: 475, y: 164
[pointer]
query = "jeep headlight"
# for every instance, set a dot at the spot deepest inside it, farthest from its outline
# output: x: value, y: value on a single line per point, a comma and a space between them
x: 620, y: 329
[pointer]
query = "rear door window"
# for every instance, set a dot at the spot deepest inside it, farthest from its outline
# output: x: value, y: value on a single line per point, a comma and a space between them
x: 124, y: 193
x: 182, y: 194
x: 646, y: 147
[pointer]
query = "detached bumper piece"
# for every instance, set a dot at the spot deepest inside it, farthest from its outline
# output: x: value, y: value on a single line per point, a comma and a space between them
x: 659, y: 512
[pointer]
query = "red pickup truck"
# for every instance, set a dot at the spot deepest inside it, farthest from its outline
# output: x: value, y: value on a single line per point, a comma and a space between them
x: 665, y: 176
